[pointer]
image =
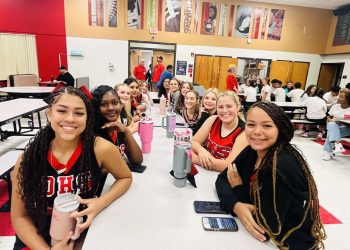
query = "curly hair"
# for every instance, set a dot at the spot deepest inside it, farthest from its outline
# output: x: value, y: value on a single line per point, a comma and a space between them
x: 32, y: 174
x: 99, y: 120
x: 285, y: 135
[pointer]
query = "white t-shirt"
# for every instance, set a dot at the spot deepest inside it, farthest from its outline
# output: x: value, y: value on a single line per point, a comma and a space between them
x: 267, y: 90
x: 242, y: 87
x: 330, y: 99
x: 338, y: 112
x: 295, y: 94
x: 250, y: 93
x: 280, y: 95
x: 315, y: 107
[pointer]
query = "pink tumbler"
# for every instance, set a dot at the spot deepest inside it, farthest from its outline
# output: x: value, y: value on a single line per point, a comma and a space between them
x: 146, y: 134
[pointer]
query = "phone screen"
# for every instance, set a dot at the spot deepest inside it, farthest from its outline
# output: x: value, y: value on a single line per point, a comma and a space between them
x: 209, y: 207
x: 219, y: 224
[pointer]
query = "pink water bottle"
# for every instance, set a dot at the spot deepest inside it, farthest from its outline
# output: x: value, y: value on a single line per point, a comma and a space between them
x: 145, y: 131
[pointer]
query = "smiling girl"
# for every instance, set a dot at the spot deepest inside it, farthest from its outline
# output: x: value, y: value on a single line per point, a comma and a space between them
x: 221, y: 137
x: 173, y: 93
x: 63, y: 157
x: 190, y: 111
x: 185, y: 87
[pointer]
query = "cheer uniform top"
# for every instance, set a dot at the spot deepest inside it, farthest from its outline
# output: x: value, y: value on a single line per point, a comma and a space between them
x: 65, y: 179
x: 218, y: 146
x: 191, y: 122
x: 118, y: 139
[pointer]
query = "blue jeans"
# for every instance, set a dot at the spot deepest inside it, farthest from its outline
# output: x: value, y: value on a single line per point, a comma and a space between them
x: 335, y: 133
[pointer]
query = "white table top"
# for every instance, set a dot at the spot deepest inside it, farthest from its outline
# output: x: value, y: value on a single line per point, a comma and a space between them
x: 157, y: 117
x: 154, y: 214
x: 17, y: 107
x: 27, y: 90
x: 8, y: 160
x: 346, y: 121
x: 289, y: 104
x: 154, y: 95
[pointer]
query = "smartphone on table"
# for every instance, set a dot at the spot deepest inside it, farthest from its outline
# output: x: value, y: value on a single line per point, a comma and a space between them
x: 219, y: 224
x: 209, y: 207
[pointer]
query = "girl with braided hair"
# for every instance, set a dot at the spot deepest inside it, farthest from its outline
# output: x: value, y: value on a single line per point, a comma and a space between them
x: 269, y: 186
x: 63, y: 157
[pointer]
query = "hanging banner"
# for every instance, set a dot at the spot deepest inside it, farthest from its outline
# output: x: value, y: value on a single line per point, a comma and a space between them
x: 135, y: 14
x: 223, y: 19
x: 173, y: 15
x: 209, y: 12
x: 230, y: 20
x: 256, y: 22
x: 196, y: 16
x: 112, y: 13
x: 243, y: 17
x: 96, y: 13
x: 276, y: 24
x: 188, y: 16
x: 160, y: 14
x: 151, y: 13
x: 263, y: 28
x: 342, y: 30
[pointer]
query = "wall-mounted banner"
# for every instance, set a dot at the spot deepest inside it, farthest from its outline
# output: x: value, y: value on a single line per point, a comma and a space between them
x: 196, y: 16
x: 256, y: 22
x: 151, y: 13
x: 276, y: 24
x: 243, y: 17
x: 188, y: 16
x: 135, y: 14
x: 263, y: 27
x: 223, y: 19
x: 112, y: 13
x: 230, y: 20
x: 181, y: 67
x: 96, y: 12
x: 160, y: 14
x: 209, y: 12
x: 342, y: 31
x: 172, y: 15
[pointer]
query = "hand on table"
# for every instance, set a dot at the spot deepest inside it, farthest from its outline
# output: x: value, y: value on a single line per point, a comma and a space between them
x: 117, y: 125
x: 65, y: 244
x: 206, y: 159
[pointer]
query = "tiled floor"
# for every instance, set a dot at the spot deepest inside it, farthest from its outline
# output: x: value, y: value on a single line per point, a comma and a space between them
x: 332, y: 179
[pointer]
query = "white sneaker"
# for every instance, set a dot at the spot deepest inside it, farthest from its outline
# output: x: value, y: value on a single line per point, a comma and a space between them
x: 327, y: 156
x: 338, y: 148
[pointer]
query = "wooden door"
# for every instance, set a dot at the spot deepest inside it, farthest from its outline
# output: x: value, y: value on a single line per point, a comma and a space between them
x: 281, y: 70
x: 299, y: 73
x: 327, y: 76
x: 168, y: 58
x: 203, y: 70
x: 224, y: 66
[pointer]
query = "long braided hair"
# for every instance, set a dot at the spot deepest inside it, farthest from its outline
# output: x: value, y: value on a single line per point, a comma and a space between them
x: 33, y: 169
x: 285, y: 135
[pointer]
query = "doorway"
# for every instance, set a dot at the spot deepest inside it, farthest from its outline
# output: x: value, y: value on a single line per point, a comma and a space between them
x: 330, y: 75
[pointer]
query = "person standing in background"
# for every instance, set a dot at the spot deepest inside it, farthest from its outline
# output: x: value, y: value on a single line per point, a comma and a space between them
x: 231, y: 80
x: 140, y: 71
x: 168, y: 73
x: 158, y: 69
x: 65, y: 76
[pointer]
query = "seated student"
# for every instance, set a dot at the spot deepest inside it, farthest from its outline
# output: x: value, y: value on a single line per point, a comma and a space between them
x: 66, y: 147
x: 125, y: 117
x: 279, y: 93
x: 208, y: 107
x: 310, y: 91
x: 315, y: 112
x: 244, y: 85
x: 335, y: 129
x: 273, y: 88
x: 266, y: 90
x: 174, y: 93
x: 190, y: 111
x: 107, y: 108
x: 331, y: 97
x: 184, y: 88
x: 288, y: 88
x: 270, y: 187
x: 295, y: 93
x: 258, y: 85
x: 249, y: 94
x: 164, y: 88
x: 137, y: 100
x: 221, y: 137
x: 145, y: 93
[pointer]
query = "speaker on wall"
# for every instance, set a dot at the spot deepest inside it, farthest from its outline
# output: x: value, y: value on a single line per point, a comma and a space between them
x: 342, y: 10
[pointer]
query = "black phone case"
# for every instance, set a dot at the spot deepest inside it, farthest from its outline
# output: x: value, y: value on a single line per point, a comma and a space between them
x: 209, y: 207
x: 137, y: 168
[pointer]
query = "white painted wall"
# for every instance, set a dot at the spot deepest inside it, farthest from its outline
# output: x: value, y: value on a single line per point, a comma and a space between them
x: 98, y: 53
x: 342, y: 58
x: 183, y: 53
